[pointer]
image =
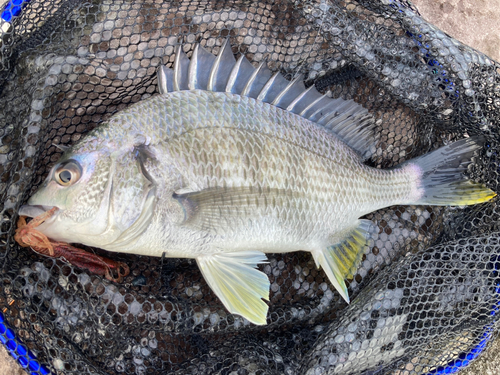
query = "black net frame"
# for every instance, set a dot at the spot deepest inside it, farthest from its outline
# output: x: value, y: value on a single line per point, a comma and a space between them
x: 426, y: 294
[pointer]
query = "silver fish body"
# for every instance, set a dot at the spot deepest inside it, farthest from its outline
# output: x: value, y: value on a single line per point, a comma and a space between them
x: 281, y: 183
x: 223, y: 178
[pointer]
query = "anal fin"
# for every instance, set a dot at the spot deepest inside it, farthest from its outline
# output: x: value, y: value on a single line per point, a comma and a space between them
x: 238, y: 284
x: 340, y: 260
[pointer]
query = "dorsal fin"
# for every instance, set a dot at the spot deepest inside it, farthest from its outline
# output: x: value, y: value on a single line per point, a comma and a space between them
x: 181, y: 70
x: 198, y: 75
x: 348, y: 120
x: 220, y: 70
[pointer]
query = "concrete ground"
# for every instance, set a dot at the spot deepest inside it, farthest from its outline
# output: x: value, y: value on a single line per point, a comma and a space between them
x: 473, y: 22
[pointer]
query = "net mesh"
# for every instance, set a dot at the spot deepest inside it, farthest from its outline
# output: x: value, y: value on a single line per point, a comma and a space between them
x: 426, y: 294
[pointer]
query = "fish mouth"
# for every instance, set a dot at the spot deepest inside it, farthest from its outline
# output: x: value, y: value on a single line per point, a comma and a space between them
x: 33, y: 210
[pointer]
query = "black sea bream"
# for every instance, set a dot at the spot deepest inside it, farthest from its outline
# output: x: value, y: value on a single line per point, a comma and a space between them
x: 230, y: 162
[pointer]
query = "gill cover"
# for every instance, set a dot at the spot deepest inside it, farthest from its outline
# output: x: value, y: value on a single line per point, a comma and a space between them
x: 133, y: 198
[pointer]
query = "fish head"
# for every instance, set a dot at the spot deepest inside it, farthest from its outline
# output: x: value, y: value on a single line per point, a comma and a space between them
x: 99, y: 195
x: 76, y: 185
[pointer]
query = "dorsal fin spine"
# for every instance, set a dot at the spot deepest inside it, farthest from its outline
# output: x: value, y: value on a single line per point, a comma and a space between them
x: 215, y: 67
x: 267, y: 86
x: 312, y: 104
x: 298, y: 98
x: 327, y: 116
x: 316, y: 112
x: 286, y: 89
x: 162, y: 80
x: 246, y: 90
x: 234, y: 74
x: 193, y: 64
x: 177, y: 68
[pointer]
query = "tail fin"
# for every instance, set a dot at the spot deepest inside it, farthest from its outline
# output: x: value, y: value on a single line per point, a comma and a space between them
x: 442, y: 179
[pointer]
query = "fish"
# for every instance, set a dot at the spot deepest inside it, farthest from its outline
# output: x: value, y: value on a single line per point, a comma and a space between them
x: 229, y: 162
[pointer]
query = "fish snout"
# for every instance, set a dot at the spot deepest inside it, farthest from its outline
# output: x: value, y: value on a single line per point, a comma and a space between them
x: 33, y: 210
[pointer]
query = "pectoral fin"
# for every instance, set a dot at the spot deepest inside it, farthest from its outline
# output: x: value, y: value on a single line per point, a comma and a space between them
x: 238, y: 284
x: 340, y: 260
x: 204, y: 209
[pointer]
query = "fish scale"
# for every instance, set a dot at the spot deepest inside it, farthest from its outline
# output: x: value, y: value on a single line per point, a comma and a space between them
x: 224, y: 178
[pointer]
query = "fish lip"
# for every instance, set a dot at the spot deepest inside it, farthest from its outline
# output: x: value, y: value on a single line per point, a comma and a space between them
x: 33, y: 210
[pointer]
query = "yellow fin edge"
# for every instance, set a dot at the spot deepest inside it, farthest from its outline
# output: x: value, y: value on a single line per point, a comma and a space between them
x: 340, y: 260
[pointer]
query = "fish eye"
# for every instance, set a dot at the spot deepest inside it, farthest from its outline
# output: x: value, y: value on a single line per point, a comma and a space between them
x: 68, y: 173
